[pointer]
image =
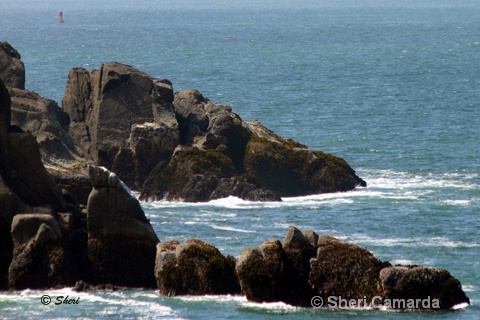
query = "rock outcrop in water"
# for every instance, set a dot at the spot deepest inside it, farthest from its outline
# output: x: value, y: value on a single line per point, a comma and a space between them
x: 184, y: 146
x: 194, y: 268
x: 308, y: 267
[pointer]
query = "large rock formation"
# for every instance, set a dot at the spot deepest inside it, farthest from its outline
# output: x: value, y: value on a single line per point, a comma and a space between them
x: 43, y: 232
x: 121, y: 241
x: 184, y: 146
x: 194, y: 268
x: 121, y: 118
x: 12, y: 69
x: 308, y: 266
x: 25, y: 187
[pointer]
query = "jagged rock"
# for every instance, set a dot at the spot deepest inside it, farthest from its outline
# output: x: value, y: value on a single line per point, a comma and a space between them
x: 194, y: 268
x: 12, y: 69
x: 41, y: 256
x: 423, y: 283
x: 277, y: 273
x: 117, y: 112
x: 121, y: 241
x: 133, y: 124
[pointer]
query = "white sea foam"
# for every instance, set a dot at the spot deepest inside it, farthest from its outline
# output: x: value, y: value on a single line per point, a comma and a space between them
x: 469, y: 288
x: 402, y: 262
x: 408, y: 242
x: 214, y: 226
x: 457, y: 202
x: 460, y: 306
x: 274, y: 307
x: 213, y: 298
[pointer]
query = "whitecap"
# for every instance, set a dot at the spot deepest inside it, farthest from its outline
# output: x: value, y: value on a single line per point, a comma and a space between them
x: 213, y: 298
x: 469, y: 288
x: 460, y: 306
x: 275, y: 307
x: 226, y: 228
x: 402, y: 262
x: 408, y: 242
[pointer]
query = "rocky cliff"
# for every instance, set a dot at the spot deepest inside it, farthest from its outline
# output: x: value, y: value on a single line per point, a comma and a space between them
x: 183, y: 146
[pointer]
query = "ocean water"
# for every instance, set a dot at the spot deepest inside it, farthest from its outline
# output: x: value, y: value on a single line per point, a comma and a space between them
x: 393, y: 87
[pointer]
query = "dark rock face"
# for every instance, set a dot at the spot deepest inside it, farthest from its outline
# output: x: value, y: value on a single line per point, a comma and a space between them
x: 415, y: 282
x: 291, y: 169
x: 25, y: 186
x: 308, y: 265
x: 121, y: 241
x: 194, y: 268
x: 277, y: 273
x: 122, y: 119
x: 12, y: 69
x: 344, y: 269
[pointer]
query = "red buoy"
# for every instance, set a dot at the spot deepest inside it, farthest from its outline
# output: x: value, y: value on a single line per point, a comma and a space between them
x: 60, y: 17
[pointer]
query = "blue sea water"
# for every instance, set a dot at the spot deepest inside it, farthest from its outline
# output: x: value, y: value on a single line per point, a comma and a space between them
x: 393, y: 87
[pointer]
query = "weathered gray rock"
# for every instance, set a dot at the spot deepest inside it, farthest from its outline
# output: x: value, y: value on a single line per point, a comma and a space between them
x: 120, y: 117
x: 47, y: 122
x: 121, y: 241
x: 41, y: 256
x: 421, y: 283
x: 194, y: 268
x: 12, y: 69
